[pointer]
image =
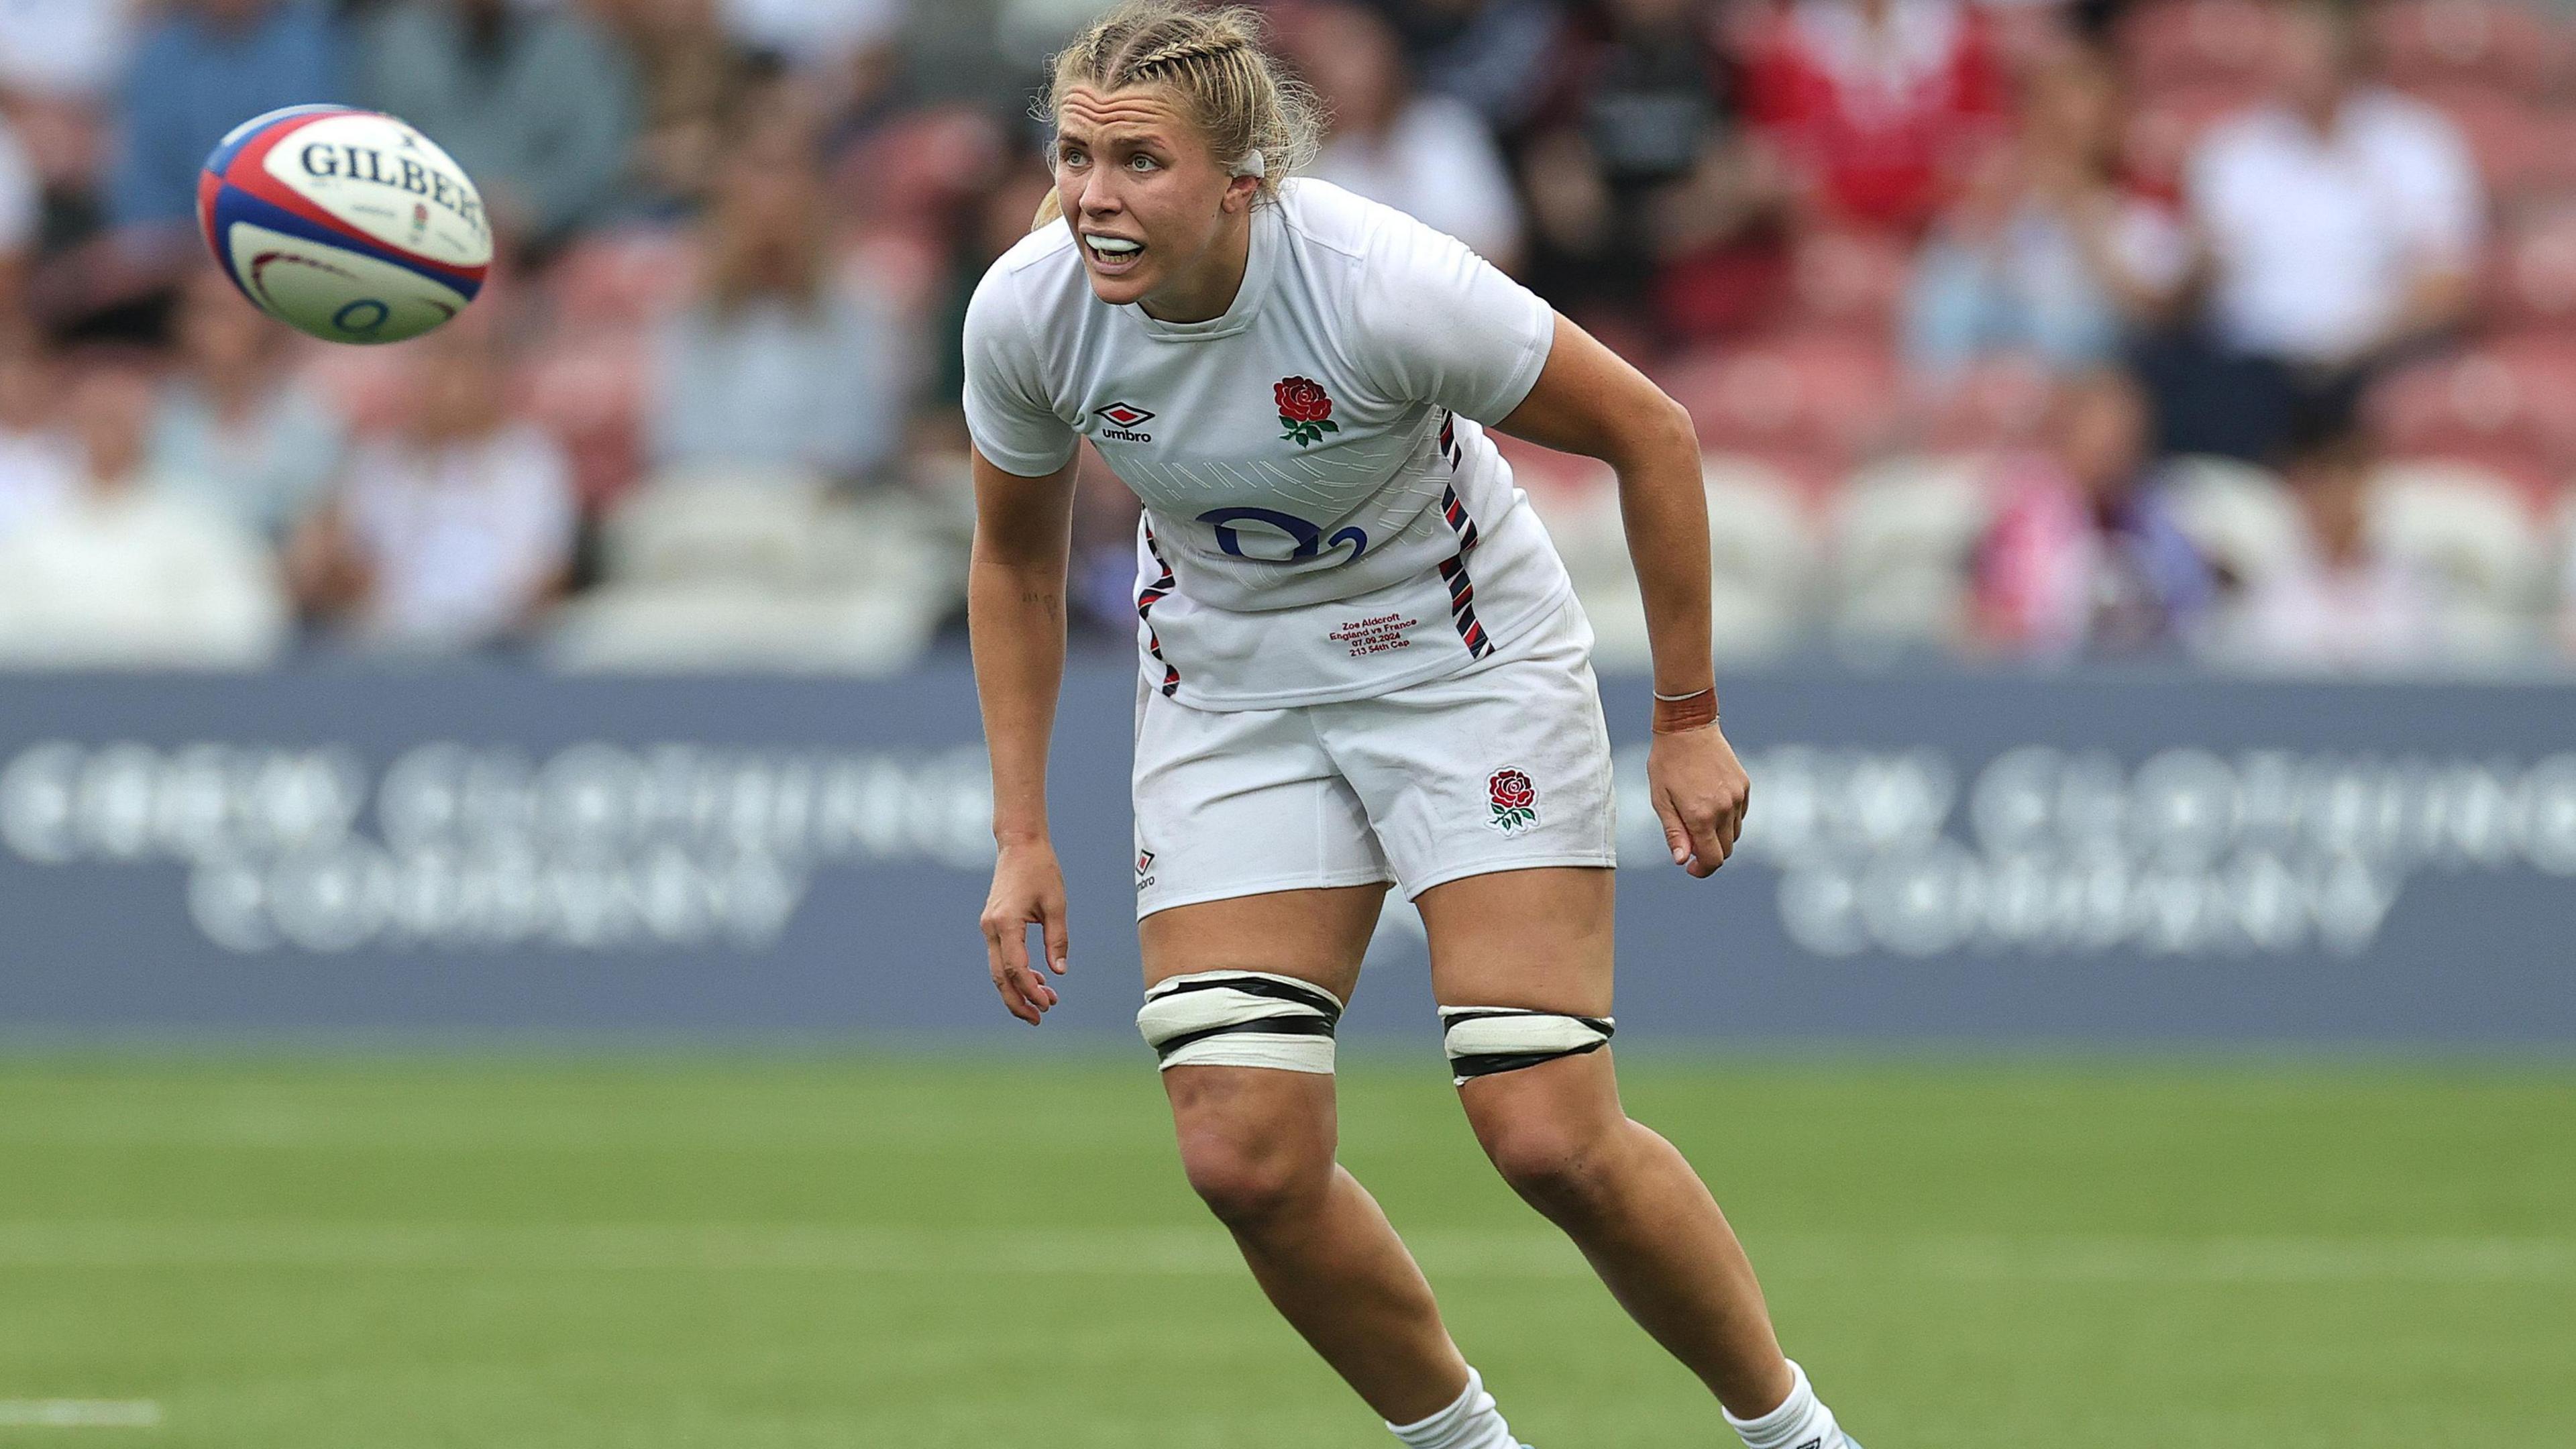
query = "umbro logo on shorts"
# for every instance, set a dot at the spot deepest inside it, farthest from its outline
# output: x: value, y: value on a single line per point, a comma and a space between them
x: 1144, y: 869
x: 1123, y: 420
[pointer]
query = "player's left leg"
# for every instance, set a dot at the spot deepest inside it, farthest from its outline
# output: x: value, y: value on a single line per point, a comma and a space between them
x: 1535, y: 946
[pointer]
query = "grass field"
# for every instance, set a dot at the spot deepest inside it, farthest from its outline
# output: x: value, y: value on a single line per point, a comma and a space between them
x: 943, y: 1252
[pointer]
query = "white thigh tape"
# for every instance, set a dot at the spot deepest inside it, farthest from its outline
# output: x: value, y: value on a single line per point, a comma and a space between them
x: 1241, y: 1019
x: 1483, y: 1040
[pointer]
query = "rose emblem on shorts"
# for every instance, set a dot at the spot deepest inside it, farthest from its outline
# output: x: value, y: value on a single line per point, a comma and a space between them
x: 1515, y: 800
x: 1305, y: 410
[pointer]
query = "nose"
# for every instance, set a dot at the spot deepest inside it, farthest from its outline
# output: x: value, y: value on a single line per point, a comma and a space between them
x: 1098, y: 194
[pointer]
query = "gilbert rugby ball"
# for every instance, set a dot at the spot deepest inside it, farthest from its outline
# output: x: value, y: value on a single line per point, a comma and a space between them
x: 346, y: 224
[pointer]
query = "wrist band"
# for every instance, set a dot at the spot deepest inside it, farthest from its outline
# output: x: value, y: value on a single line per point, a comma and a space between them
x: 1675, y: 713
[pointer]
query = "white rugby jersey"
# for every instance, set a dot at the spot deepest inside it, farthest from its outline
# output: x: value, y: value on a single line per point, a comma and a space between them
x: 1324, y: 518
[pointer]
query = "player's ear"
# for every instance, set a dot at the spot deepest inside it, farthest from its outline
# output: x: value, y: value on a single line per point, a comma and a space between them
x: 1239, y: 194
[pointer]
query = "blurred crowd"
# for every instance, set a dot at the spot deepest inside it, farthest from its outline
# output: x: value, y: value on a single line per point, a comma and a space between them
x: 2238, y: 331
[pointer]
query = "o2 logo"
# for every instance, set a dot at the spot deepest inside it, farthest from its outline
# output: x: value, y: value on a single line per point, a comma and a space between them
x: 1306, y: 539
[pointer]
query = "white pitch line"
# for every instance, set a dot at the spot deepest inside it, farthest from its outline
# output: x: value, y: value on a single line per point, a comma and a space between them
x: 2253, y: 1260
x: 613, y: 1247
x: 79, y: 1414
x: 1196, y: 1252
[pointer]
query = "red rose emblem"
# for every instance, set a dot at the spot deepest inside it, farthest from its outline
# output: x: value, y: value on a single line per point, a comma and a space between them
x: 1515, y: 801
x: 1304, y: 410
x: 1301, y: 400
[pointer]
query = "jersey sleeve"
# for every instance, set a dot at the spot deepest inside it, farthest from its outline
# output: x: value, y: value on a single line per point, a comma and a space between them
x: 1007, y: 413
x: 1439, y: 324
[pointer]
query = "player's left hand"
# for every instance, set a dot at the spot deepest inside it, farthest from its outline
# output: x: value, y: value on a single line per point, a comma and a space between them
x: 1700, y: 792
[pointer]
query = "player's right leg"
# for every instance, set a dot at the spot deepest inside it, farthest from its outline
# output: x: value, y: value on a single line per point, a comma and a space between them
x: 1257, y: 1142
x: 1258, y: 883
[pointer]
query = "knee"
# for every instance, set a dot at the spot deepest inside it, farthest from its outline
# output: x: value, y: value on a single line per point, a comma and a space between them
x: 1247, y: 1183
x: 1563, y: 1168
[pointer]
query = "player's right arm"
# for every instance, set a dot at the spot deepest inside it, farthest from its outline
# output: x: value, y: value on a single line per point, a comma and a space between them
x: 1015, y: 588
x: 1024, y: 457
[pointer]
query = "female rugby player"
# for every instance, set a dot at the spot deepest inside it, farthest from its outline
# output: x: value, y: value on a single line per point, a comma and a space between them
x: 1362, y: 665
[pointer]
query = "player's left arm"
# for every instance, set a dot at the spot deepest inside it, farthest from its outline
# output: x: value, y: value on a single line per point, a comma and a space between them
x: 1589, y: 400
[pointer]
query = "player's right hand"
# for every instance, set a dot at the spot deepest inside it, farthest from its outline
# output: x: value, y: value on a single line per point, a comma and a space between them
x: 1028, y: 890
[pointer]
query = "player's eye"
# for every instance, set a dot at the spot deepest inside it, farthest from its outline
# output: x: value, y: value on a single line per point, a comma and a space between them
x: 1071, y: 156
x: 1142, y: 162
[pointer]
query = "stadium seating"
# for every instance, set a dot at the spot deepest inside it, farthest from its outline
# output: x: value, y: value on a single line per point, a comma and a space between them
x: 2475, y: 534
x: 2175, y: 43
x: 763, y: 571
x: 1580, y: 506
x: 1995, y: 403
x: 1814, y: 427
x: 1761, y: 544
x: 2531, y: 282
x: 1807, y: 404
x: 1763, y: 550
x: 1902, y: 535
x: 2237, y: 514
x: 2498, y: 407
x: 2469, y: 42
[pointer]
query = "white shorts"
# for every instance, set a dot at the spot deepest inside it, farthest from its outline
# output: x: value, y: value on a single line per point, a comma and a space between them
x: 1503, y: 767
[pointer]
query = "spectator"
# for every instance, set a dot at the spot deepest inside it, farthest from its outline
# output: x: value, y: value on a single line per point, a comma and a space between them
x: 1879, y: 105
x: 691, y: 78
x: 815, y: 36
x: 2046, y: 256
x: 841, y: 53
x: 778, y: 362
x: 537, y: 105
x: 1491, y: 55
x: 39, y: 469
x: 457, y: 529
x: 1429, y: 156
x: 22, y: 205
x: 1643, y: 197
x: 51, y: 195
x: 234, y: 423
x: 2342, y: 223
x: 68, y: 49
x: 2084, y: 555
x: 2337, y: 604
x: 127, y: 574
x: 205, y: 67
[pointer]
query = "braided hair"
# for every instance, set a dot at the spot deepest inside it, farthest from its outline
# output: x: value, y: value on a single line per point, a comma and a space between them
x: 1212, y: 60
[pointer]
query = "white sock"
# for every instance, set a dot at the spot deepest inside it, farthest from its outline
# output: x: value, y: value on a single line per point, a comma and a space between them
x: 1801, y: 1422
x: 1470, y: 1423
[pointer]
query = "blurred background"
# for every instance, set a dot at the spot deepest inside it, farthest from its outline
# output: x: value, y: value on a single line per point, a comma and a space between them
x: 2224, y: 332
x: 491, y: 828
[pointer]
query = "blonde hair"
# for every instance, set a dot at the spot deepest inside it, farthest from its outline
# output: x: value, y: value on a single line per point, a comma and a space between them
x: 1240, y: 97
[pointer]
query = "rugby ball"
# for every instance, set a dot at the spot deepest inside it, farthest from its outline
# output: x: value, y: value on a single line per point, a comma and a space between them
x: 343, y: 223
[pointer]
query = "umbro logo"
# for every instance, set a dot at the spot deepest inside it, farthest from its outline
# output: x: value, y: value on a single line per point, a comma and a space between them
x: 1123, y: 420
x: 1144, y: 869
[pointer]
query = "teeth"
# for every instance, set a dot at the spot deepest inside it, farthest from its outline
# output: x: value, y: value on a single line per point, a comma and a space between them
x: 1116, y: 246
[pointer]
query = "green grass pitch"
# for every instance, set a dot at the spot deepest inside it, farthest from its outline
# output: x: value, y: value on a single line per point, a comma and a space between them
x: 929, y: 1252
